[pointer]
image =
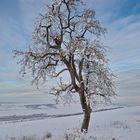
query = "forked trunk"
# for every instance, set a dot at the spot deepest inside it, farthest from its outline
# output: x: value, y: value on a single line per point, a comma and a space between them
x: 86, y: 110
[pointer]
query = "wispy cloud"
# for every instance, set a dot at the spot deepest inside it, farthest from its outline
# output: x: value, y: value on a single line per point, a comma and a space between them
x: 16, y: 33
x: 124, y: 39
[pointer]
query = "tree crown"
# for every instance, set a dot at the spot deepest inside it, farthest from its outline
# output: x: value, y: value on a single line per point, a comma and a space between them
x: 67, y: 38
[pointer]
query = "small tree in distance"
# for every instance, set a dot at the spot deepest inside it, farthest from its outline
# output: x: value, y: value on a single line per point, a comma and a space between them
x: 67, y: 39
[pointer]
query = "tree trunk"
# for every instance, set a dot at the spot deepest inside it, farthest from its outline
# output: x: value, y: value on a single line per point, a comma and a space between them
x: 85, y: 123
x: 86, y: 110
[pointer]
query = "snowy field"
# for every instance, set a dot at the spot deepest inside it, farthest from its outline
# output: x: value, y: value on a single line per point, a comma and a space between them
x: 39, y: 120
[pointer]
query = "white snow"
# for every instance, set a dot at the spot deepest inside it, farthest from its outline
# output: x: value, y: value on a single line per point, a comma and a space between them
x: 121, y: 123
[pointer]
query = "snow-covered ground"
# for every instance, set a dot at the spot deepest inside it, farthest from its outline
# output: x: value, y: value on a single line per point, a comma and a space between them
x: 37, y: 120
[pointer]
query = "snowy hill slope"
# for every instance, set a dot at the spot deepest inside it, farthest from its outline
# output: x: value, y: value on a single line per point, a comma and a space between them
x: 122, y: 123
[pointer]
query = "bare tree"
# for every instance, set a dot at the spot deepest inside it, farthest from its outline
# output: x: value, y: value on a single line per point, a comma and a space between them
x: 67, y: 38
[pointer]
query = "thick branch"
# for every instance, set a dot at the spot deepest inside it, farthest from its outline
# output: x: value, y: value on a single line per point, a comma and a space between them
x: 74, y: 68
x: 57, y: 41
x: 60, y: 72
x: 47, y: 34
x: 61, y: 24
x: 80, y: 69
x: 68, y: 16
x: 72, y: 74
x: 51, y: 64
x: 38, y: 56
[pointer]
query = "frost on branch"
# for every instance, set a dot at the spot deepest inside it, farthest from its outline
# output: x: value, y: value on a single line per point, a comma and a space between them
x: 67, y: 40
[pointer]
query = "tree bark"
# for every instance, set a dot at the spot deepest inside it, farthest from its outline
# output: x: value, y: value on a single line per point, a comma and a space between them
x: 85, y: 123
x: 86, y: 110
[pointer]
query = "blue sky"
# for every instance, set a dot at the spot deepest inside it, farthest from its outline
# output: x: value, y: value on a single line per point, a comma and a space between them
x: 120, y: 17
